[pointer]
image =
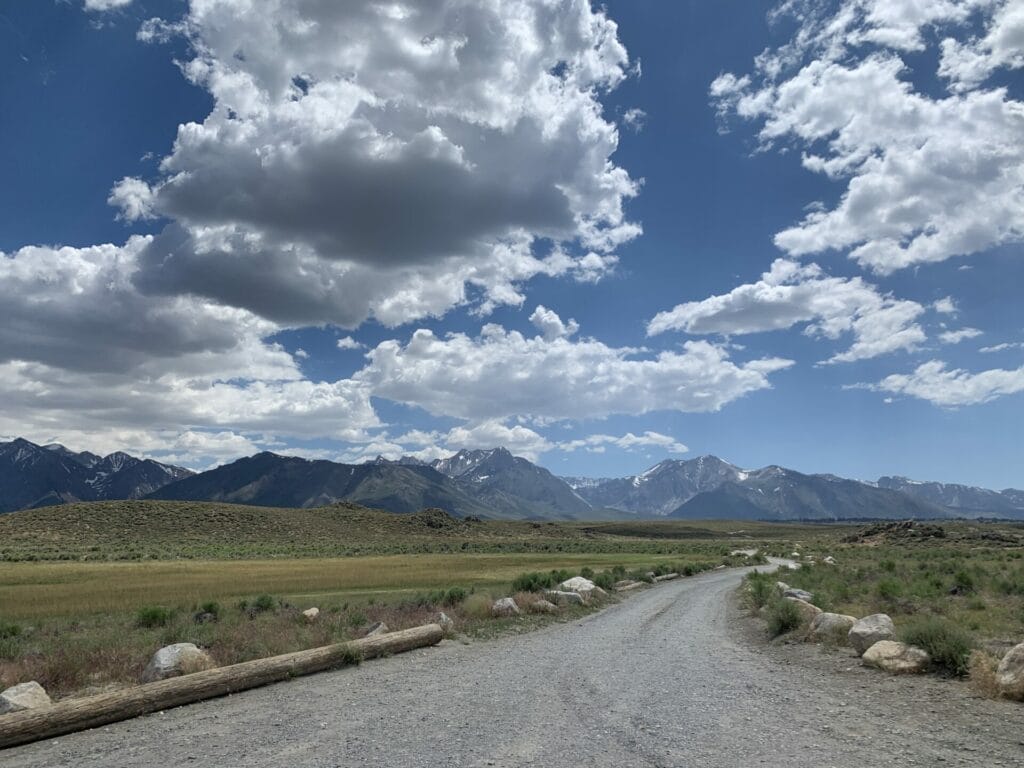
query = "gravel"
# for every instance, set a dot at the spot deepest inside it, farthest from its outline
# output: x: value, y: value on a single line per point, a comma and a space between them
x: 673, y: 676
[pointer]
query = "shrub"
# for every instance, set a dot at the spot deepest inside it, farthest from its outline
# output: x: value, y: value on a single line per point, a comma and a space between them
x: 963, y: 582
x: 888, y: 589
x: 212, y: 607
x: 477, y: 606
x: 761, y: 589
x: 587, y: 573
x: 263, y: 604
x: 948, y: 645
x: 981, y: 669
x: 454, y: 596
x: 9, y: 631
x: 357, y: 619
x: 783, y: 616
x: 153, y: 616
x: 532, y: 582
x: 605, y: 580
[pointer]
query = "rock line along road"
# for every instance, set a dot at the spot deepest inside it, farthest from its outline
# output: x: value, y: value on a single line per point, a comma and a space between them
x: 672, y: 676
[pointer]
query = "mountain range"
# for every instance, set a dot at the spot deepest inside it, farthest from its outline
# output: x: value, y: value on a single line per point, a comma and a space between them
x: 41, y: 475
x: 492, y: 483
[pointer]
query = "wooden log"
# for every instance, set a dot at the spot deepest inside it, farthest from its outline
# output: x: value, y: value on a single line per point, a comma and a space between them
x: 667, y: 577
x: 78, y: 714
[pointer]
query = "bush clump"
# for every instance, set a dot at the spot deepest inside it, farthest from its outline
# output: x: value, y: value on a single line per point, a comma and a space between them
x: 152, y: 616
x: 948, y: 645
x: 783, y: 616
x: 760, y: 589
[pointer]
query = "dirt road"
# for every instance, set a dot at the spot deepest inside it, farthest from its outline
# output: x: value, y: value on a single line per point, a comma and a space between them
x: 673, y: 676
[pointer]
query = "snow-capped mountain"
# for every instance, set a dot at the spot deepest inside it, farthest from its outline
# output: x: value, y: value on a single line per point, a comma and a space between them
x: 969, y: 500
x: 35, y: 476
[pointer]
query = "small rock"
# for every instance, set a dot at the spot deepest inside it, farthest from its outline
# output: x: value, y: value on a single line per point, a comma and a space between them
x: 870, y: 630
x: 565, y: 597
x: 807, y: 611
x: 506, y: 606
x: 205, y: 617
x: 175, y: 660
x: 795, y: 555
x: 799, y: 594
x: 30, y: 695
x: 311, y: 614
x: 782, y: 586
x: 1010, y: 673
x: 897, y: 658
x: 829, y: 560
x: 793, y: 566
x: 832, y: 627
x: 543, y: 606
x: 380, y: 628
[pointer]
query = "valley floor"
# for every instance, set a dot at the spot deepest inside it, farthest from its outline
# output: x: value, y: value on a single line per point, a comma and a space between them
x: 675, y: 676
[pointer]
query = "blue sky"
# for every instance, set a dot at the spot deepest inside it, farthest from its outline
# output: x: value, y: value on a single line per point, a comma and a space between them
x: 779, y: 233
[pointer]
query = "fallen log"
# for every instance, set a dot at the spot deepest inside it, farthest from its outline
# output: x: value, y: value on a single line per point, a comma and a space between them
x: 667, y: 577
x: 79, y: 714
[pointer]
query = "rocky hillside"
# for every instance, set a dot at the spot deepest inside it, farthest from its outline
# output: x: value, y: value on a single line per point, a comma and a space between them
x: 35, y: 475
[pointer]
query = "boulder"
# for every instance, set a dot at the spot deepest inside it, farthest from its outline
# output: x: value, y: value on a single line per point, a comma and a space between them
x: 445, y: 622
x: 380, y: 628
x: 1010, y: 673
x: 175, y: 660
x: 782, y: 586
x: 870, y: 630
x: 799, y: 594
x: 807, y: 611
x: 832, y: 627
x: 311, y: 614
x: 558, y: 596
x: 543, y: 606
x: 506, y: 606
x: 896, y: 658
x: 30, y: 695
x: 583, y: 586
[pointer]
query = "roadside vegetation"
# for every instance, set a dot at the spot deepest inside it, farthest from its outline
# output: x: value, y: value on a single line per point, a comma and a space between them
x: 956, y: 591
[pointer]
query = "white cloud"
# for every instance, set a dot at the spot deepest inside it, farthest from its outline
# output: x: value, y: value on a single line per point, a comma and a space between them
x: 347, y: 342
x: 1003, y: 347
x: 791, y: 293
x: 969, y: 64
x: 955, y: 337
x: 550, y: 324
x: 945, y: 306
x: 491, y: 433
x: 927, y: 178
x: 933, y: 382
x: 635, y: 119
x: 134, y: 198
x: 501, y: 373
x: 394, y: 164
x: 105, y: 5
x: 627, y: 442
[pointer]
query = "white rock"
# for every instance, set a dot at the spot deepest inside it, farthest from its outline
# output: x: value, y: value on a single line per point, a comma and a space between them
x: 311, y: 614
x: 782, y: 586
x: 793, y: 566
x: 870, y: 630
x: 565, y: 597
x: 795, y: 555
x: 543, y: 606
x: 829, y: 560
x: 506, y: 606
x: 807, y: 611
x: 832, y: 627
x: 577, y: 584
x: 175, y: 660
x: 897, y: 658
x: 30, y: 695
x: 380, y: 628
x: 799, y: 594
x: 1010, y: 673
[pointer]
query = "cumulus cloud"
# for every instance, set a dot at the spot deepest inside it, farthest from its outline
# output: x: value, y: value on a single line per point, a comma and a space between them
x: 968, y: 64
x: 934, y: 382
x: 945, y: 306
x: 927, y: 177
x: 956, y: 336
x: 134, y: 198
x: 347, y: 342
x: 370, y: 160
x: 502, y: 373
x: 550, y: 324
x: 791, y: 293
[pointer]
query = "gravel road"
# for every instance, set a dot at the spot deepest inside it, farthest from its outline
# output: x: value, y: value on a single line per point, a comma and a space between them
x: 672, y: 676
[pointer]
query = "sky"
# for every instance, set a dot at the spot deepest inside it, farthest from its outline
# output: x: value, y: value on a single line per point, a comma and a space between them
x: 599, y: 235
